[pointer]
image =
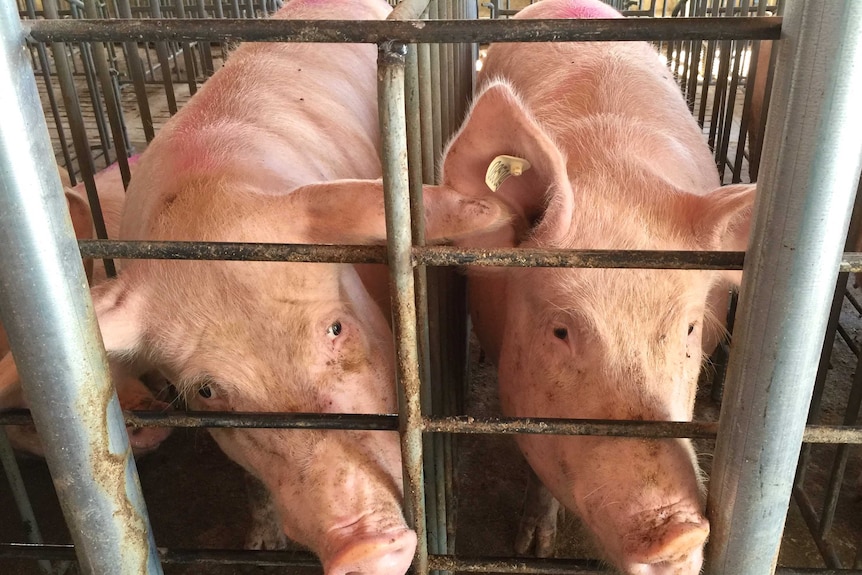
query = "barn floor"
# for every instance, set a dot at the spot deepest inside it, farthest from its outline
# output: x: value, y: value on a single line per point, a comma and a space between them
x: 196, y: 497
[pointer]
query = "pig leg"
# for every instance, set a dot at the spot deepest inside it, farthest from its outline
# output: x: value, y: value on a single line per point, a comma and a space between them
x: 265, y: 531
x: 538, y: 520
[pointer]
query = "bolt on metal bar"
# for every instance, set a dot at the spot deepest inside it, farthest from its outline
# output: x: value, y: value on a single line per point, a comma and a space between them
x: 22, y: 500
x: 396, y: 182
x: 47, y: 311
x: 374, y: 31
x: 812, y: 161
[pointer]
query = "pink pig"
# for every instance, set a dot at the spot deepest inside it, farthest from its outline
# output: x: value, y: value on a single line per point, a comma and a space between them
x: 617, y: 162
x: 133, y: 394
x: 255, y: 157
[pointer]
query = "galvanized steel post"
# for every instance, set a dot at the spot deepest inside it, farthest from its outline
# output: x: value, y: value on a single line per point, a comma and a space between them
x: 812, y: 161
x: 390, y: 79
x: 48, y: 314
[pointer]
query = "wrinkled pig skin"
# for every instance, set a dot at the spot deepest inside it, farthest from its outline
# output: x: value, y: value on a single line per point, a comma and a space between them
x: 617, y: 162
x: 133, y: 394
x: 261, y: 154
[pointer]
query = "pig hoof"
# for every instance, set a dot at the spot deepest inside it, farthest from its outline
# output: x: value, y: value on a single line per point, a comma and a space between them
x: 541, y: 531
x: 265, y: 538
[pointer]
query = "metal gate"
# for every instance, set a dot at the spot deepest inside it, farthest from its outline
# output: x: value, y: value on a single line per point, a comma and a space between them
x: 811, y: 166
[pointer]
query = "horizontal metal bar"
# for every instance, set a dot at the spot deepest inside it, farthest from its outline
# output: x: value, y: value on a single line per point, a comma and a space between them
x: 137, y: 419
x: 460, y: 424
x: 303, y: 560
x: 259, y: 252
x: 428, y: 255
x: 405, y: 31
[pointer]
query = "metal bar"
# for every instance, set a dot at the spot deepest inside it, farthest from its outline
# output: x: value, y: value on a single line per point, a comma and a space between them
x: 161, y: 53
x: 216, y: 419
x: 809, y: 515
x: 429, y: 255
x: 839, y: 465
x: 824, y: 434
x: 822, y: 372
x: 47, y: 311
x: 206, y: 52
x: 115, y: 115
x: 812, y: 159
x: 188, y: 57
x: 78, y: 130
x: 396, y: 182
x: 306, y: 561
x: 374, y: 31
x: 136, y: 71
x: 22, y: 500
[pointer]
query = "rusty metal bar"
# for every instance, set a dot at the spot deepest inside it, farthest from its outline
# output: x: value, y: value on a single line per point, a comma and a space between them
x: 396, y: 183
x: 373, y: 31
x: 812, y: 160
x: 49, y: 317
x: 428, y: 255
x: 823, y: 434
x: 809, y: 516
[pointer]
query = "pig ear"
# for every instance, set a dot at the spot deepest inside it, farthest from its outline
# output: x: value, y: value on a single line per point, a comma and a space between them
x: 120, y: 311
x: 352, y: 212
x: 723, y: 221
x: 82, y: 221
x: 499, y: 124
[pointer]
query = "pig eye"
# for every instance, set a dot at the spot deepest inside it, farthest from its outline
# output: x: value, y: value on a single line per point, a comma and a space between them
x: 205, y: 391
x: 561, y: 333
x: 690, y: 328
x: 334, y: 330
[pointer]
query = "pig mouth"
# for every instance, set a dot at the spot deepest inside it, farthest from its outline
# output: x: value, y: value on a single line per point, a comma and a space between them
x: 666, y: 541
x: 387, y: 553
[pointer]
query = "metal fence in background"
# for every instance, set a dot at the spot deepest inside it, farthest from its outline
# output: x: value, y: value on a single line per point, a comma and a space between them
x: 159, y: 71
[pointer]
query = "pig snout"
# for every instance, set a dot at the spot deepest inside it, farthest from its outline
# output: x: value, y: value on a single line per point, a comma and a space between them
x: 146, y: 439
x: 670, y: 543
x: 388, y: 553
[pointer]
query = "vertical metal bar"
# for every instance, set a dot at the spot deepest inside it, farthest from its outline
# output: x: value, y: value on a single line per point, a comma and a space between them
x: 19, y: 492
x: 188, y: 58
x: 812, y: 160
x: 426, y: 110
x: 79, y: 132
x: 94, y: 91
x: 727, y: 124
x: 206, y: 51
x: 136, y: 71
x: 164, y: 64
x: 48, y: 314
x: 436, y: 92
x: 396, y: 183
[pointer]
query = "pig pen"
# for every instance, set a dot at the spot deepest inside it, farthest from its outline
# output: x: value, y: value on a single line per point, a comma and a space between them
x: 473, y: 487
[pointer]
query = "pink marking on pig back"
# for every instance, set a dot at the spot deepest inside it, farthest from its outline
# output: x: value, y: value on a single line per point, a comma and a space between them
x: 570, y: 9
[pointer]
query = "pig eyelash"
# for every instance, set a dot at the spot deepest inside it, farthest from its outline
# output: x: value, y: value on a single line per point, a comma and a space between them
x: 334, y: 330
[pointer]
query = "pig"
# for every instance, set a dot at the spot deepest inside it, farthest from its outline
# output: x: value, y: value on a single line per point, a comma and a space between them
x: 281, y: 145
x: 614, y: 160
x: 133, y: 394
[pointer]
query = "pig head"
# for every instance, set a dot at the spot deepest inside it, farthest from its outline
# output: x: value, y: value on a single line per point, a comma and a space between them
x: 132, y: 393
x: 615, y: 162
x: 260, y: 154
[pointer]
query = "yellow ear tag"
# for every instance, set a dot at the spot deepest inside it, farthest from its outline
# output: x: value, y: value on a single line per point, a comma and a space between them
x: 502, y: 167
